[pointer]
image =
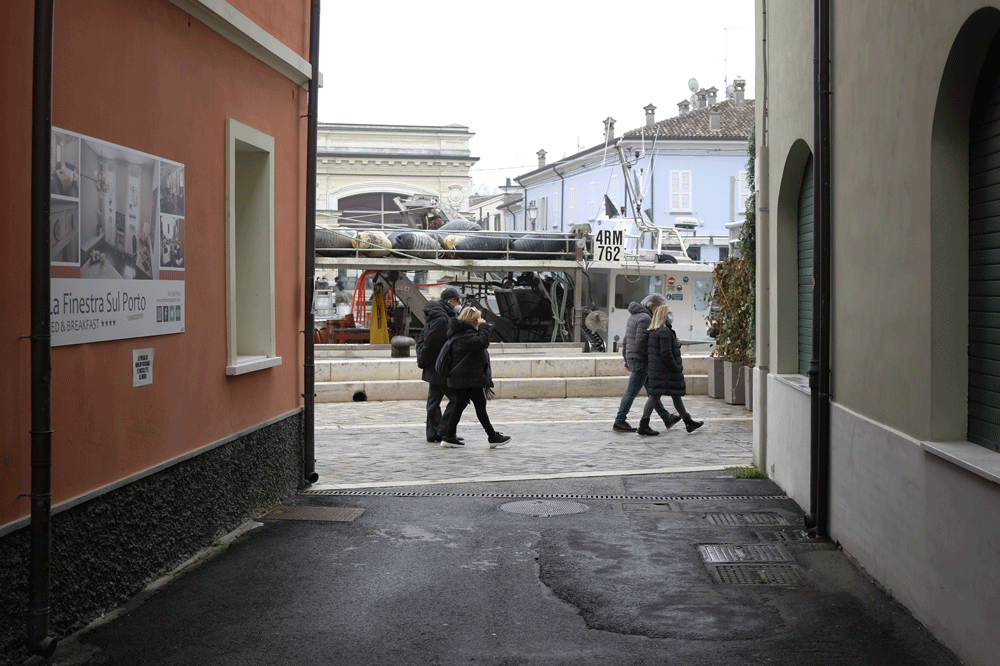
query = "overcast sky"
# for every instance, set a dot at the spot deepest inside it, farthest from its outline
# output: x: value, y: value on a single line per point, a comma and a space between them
x: 525, y: 75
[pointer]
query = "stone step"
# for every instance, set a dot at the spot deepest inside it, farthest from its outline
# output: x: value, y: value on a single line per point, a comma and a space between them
x: 507, y: 388
x: 515, y: 376
x: 342, y: 351
x: 506, y: 366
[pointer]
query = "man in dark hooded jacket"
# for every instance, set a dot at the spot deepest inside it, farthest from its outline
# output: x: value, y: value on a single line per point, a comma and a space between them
x: 437, y: 315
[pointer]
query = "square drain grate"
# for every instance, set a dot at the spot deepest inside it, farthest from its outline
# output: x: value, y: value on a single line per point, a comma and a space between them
x: 324, y: 513
x: 649, y: 506
x: 741, y: 519
x: 784, y: 535
x: 756, y: 574
x: 744, y: 553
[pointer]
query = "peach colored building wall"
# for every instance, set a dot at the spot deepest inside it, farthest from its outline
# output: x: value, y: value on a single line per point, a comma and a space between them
x: 146, y: 76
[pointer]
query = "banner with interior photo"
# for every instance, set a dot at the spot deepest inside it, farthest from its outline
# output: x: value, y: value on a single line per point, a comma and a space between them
x: 116, y: 242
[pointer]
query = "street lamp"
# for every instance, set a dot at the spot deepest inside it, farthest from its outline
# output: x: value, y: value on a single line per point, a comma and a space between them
x: 532, y: 212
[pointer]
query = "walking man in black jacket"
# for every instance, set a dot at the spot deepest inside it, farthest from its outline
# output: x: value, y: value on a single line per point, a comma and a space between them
x: 437, y: 314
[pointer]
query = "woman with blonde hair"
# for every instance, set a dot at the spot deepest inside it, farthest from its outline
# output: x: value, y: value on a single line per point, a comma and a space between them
x: 665, y: 371
x: 470, y: 376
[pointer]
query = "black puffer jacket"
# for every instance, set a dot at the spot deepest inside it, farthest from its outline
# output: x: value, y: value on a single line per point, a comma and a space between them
x: 470, y: 358
x: 634, y: 342
x: 437, y: 314
x: 665, y: 373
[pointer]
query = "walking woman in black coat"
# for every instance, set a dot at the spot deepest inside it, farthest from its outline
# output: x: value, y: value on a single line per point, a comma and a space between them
x: 665, y: 371
x: 470, y: 375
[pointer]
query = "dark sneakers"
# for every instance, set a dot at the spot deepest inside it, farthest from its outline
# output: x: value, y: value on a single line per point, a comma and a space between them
x: 622, y: 426
x: 437, y: 440
x: 451, y: 442
x: 498, y: 439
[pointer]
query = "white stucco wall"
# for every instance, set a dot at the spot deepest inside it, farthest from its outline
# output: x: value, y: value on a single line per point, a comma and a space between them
x: 924, y: 524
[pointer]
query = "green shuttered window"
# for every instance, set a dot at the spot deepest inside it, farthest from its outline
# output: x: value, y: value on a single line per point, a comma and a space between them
x: 806, y: 268
x: 984, y: 257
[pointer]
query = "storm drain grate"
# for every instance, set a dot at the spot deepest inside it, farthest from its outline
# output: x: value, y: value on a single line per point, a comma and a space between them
x: 756, y: 574
x: 784, y: 535
x: 543, y: 508
x: 744, y: 553
x: 564, y: 496
x: 325, y: 513
x: 741, y: 519
x: 649, y: 506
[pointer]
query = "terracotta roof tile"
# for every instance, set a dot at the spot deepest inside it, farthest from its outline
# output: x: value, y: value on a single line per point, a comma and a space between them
x: 736, y: 124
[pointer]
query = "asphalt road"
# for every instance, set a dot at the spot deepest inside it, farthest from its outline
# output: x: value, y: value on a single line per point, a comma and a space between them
x: 449, y: 575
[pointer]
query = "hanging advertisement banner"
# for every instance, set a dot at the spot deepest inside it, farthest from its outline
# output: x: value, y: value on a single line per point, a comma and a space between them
x: 116, y: 245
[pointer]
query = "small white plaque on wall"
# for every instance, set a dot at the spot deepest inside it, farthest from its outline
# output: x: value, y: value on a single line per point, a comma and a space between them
x: 142, y: 367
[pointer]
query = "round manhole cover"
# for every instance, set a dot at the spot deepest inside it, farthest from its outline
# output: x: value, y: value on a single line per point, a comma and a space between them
x: 542, y: 508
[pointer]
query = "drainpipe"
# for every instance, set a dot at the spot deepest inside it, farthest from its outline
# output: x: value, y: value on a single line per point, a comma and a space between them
x: 562, y: 201
x: 309, y: 361
x: 40, y: 531
x: 819, y: 366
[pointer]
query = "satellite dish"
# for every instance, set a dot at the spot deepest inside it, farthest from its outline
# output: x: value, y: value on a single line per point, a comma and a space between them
x: 729, y: 91
x: 693, y: 85
x: 597, y: 320
x: 694, y: 100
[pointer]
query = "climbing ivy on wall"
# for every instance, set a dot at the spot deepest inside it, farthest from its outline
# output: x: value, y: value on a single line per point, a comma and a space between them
x: 735, y: 282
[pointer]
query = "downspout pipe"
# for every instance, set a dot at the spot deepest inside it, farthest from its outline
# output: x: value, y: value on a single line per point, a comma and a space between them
x: 40, y: 532
x: 309, y: 356
x: 562, y: 200
x: 819, y: 366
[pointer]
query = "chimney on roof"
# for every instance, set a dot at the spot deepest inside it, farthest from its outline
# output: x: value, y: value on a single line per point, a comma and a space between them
x: 712, y: 92
x: 541, y: 158
x: 609, y: 129
x: 683, y: 107
x: 702, y: 98
x: 715, y: 118
x: 738, y: 87
x: 650, y: 111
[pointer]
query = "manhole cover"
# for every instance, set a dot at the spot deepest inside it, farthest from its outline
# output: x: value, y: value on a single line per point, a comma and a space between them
x: 756, y: 574
x: 541, y: 508
x: 744, y: 553
x: 328, y: 513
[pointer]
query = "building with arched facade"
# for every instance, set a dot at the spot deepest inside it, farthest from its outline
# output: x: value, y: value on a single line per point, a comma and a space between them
x: 362, y: 168
x: 877, y: 385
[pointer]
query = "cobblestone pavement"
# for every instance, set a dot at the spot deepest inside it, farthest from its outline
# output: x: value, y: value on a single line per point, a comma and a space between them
x: 372, y: 444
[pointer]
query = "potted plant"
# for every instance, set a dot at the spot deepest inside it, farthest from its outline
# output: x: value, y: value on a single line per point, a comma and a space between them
x: 343, y: 300
x: 735, y: 302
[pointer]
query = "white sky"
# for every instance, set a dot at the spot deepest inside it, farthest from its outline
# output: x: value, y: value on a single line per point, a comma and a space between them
x: 527, y: 74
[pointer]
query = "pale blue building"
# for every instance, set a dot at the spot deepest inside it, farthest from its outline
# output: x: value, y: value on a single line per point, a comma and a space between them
x: 689, y: 171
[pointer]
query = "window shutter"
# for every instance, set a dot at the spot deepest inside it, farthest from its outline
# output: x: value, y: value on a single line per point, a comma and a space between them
x: 984, y: 259
x: 805, y: 252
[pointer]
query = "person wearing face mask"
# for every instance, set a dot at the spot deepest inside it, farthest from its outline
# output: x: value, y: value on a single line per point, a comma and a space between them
x: 437, y: 314
x: 665, y: 371
x: 470, y: 377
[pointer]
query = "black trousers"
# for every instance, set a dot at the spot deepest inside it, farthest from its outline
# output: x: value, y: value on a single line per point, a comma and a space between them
x: 436, y: 423
x: 463, y: 396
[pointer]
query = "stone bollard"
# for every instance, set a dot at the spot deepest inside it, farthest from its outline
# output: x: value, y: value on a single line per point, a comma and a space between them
x: 401, y: 346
